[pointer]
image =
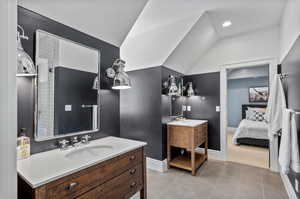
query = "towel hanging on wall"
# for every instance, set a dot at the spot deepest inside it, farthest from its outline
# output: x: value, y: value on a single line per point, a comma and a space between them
x: 289, y: 148
x: 276, y: 106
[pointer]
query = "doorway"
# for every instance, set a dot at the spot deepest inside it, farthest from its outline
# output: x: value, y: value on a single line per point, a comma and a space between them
x: 247, y: 130
x: 230, y: 142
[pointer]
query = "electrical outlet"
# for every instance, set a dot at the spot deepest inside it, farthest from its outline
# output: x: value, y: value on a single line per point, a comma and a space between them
x: 297, y: 185
x: 189, y: 108
x: 183, y: 108
x: 68, y: 108
x: 217, y: 108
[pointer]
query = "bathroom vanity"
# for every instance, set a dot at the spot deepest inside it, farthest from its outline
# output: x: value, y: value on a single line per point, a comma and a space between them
x: 187, y: 135
x: 107, y: 168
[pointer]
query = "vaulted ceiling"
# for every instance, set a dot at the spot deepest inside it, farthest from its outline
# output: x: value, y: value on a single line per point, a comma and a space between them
x: 174, y: 33
x: 109, y: 20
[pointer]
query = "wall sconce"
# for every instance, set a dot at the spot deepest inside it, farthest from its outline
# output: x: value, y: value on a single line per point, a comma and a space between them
x: 25, y: 65
x: 190, y: 91
x: 117, y: 72
x: 173, y: 90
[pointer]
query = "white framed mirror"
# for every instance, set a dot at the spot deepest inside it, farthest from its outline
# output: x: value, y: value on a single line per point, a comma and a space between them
x: 67, y: 97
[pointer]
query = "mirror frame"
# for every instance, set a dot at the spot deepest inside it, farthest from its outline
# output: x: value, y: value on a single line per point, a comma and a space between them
x: 36, y: 138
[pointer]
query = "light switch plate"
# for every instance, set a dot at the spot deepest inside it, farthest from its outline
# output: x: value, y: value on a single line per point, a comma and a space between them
x: 183, y: 108
x: 68, y: 108
x: 189, y: 108
x: 217, y: 108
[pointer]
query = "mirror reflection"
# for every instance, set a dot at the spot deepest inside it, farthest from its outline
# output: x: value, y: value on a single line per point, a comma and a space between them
x: 67, y: 87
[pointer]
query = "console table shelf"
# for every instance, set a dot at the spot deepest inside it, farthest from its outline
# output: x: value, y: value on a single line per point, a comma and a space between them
x: 187, y: 137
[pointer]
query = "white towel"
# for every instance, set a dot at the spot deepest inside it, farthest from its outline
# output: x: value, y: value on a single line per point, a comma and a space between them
x: 43, y: 70
x: 289, y: 148
x: 295, y: 158
x: 95, y: 117
x: 276, y: 106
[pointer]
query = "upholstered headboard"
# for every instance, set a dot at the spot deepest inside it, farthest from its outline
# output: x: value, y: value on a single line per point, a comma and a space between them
x: 245, y: 107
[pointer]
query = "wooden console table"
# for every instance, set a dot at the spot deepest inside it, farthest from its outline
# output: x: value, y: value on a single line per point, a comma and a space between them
x: 188, y: 135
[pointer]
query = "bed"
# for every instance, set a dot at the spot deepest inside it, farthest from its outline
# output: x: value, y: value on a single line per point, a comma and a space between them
x: 250, y: 132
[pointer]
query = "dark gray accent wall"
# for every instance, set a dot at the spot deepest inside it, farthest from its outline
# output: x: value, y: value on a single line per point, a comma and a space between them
x: 291, y: 66
x: 168, y: 106
x: 145, y: 110
x: 140, y: 110
x: 73, y: 87
x: 208, y: 86
x: 109, y: 99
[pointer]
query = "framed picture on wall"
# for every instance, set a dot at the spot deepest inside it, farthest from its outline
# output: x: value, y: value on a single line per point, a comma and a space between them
x: 258, y: 94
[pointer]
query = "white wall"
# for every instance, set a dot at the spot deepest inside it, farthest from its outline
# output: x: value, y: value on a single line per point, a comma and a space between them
x: 256, y: 45
x: 152, y: 48
x: 289, y: 26
x: 201, y: 37
x: 8, y: 99
x: 78, y: 57
x: 249, y: 72
x: 108, y: 20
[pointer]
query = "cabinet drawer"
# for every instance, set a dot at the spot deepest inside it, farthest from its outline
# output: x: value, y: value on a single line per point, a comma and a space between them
x: 121, y: 187
x: 179, y: 136
x: 83, y: 181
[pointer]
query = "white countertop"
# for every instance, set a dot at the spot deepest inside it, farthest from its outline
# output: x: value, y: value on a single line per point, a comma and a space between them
x: 187, y: 122
x: 42, y: 168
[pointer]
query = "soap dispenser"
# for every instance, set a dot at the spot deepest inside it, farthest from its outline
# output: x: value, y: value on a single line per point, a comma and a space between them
x: 23, y: 145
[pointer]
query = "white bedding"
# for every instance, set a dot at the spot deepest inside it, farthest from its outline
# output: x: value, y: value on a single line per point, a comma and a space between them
x: 251, y: 129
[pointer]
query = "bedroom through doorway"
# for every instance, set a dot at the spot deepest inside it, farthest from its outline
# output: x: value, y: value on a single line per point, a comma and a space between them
x: 247, y: 131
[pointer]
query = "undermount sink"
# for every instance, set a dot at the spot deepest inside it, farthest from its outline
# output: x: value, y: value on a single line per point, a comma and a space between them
x: 91, y: 151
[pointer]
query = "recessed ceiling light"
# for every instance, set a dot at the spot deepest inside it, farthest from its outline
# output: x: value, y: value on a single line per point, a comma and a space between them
x: 226, y: 24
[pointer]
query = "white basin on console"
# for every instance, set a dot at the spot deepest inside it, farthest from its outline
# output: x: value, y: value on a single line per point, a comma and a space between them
x: 91, y: 151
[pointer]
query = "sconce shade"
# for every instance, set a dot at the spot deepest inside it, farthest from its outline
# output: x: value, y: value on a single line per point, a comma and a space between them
x: 117, y: 72
x: 173, y: 90
x: 25, y: 65
x: 190, y: 90
x: 121, y: 80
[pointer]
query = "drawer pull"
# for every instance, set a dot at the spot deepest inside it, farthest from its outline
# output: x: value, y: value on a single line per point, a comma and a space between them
x: 72, y: 186
x: 132, y: 185
x: 132, y: 171
x: 132, y: 157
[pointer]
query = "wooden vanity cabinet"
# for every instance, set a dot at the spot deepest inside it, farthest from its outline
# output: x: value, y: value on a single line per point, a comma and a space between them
x: 188, y: 138
x: 117, y: 178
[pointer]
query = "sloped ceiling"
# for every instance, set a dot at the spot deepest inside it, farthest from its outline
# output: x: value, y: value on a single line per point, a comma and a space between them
x: 201, y: 37
x: 157, y: 32
x: 109, y: 20
x: 176, y: 33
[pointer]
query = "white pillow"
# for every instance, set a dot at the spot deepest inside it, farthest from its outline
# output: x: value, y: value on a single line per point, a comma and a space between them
x: 249, y: 114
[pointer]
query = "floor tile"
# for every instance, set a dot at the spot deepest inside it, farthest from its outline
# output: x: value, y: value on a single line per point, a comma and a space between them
x: 214, y: 180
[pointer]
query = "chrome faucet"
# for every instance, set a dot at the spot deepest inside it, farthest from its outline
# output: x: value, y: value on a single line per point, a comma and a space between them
x: 63, y: 144
x: 74, y: 141
x: 85, y: 139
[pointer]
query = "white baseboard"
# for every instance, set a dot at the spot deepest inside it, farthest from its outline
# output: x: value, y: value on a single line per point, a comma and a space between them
x: 288, y: 186
x: 231, y: 129
x: 213, y: 154
x: 157, y: 165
